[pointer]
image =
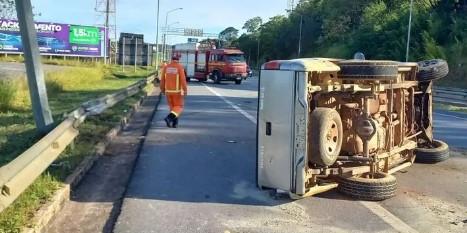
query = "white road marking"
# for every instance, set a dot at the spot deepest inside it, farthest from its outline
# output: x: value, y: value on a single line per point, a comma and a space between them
x: 374, y: 207
x: 243, y: 112
x: 446, y: 115
x: 388, y: 217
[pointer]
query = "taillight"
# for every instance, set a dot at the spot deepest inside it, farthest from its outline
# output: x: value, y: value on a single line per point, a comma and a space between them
x: 272, y: 65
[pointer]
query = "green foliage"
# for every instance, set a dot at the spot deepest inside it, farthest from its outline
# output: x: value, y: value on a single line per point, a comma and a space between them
x: 7, y: 94
x: 7, y: 9
x: 378, y: 28
x: 67, y: 89
x: 252, y: 25
x: 228, y: 36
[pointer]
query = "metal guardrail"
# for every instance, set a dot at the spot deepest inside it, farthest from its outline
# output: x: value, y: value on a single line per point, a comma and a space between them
x: 19, y: 174
x: 450, y: 95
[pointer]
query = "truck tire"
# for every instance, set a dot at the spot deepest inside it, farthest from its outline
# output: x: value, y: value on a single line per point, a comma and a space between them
x: 326, y: 136
x: 432, y: 69
x: 382, y: 187
x: 368, y: 70
x: 438, y: 153
x: 238, y: 82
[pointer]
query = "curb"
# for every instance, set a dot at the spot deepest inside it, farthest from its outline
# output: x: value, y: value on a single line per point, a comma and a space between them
x: 47, y: 212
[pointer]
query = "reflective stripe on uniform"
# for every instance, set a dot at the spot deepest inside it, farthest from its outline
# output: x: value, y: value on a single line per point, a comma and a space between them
x: 177, y: 86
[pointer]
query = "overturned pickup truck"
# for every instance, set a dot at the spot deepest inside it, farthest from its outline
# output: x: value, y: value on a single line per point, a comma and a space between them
x: 350, y: 124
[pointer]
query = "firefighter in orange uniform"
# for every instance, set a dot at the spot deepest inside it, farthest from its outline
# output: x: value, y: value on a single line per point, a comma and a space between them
x: 173, y: 85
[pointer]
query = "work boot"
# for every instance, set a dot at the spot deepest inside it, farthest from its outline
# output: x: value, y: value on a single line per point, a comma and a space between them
x: 175, y: 123
x: 169, y: 119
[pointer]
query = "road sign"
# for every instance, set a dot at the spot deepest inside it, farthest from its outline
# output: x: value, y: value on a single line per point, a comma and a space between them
x: 193, y: 32
x: 192, y: 40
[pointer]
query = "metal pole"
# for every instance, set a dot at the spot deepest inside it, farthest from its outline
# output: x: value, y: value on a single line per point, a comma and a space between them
x: 300, y: 37
x: 35, y: 73
x: 136, y: 51
x: 165, y: 35
x: 257, y: 52
x: 107, y: 46
x: 409, y: 32
x: 147, y: 58
x: 157, y: 35
x: 123, y: 54
x: 166, y: 29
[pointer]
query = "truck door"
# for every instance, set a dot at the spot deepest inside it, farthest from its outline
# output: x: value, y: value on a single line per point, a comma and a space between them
x: 275, y: 131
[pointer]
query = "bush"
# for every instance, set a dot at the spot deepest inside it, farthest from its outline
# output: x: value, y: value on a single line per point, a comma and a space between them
x: 7, y: 95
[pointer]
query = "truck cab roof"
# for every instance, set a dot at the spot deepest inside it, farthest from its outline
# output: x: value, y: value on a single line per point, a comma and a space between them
x: 226, y: 51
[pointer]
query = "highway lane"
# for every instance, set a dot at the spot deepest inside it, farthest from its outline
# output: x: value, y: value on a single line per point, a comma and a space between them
x: 201, y: 178
x: 451, y: 127
x: 16, y: 69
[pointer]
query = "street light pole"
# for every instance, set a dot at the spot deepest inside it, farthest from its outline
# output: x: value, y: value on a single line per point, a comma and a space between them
x: 166, y: 29
x: 35, y: 73
x: 409, y: 32
x: 166, y: 51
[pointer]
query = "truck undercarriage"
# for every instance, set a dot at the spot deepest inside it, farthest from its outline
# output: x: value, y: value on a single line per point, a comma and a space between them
x: 361, y: 120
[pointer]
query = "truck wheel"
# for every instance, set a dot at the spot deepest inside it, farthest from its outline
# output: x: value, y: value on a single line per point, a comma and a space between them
x: 438, y: 153
x: 432, y: 69
x: 326, y: 136
x: 217, y: 78
x: 238, y: 82
x: 381, y: 187
x: 368, y: 70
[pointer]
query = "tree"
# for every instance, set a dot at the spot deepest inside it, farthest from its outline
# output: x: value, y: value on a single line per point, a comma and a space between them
x: 229, y: 35
x: 7, y: 9
x: 252, y: 25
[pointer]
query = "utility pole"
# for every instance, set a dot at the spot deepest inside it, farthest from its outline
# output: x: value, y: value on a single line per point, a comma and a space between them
x: 107, y: 10
x: 35, y: 73
x: 123, y: 54
x: 409, y: 32
x: 106, y: 36
x: 157, y: 34
x: 136, y: 51
x: 257, y: 52
x: 300, y: 37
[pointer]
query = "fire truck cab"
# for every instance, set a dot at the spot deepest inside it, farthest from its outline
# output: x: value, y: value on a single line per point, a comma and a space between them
x: 202, y: 63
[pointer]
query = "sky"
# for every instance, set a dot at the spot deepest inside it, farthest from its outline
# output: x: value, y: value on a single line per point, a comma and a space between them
x: 139, y: 16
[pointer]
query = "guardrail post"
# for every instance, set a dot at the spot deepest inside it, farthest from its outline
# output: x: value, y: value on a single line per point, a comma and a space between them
x: 35, y: 73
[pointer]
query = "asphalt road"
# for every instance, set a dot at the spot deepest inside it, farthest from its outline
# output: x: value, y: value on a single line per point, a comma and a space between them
x: 16, y: 69
x: 201, y: 178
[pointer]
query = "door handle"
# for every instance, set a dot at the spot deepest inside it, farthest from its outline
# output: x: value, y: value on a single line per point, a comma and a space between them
x: 268, y: 129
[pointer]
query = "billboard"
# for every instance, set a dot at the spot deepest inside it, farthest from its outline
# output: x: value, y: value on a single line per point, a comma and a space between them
x: 55, y: 39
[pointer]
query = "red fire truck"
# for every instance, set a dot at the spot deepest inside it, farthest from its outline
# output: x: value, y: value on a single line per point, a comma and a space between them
x: 209, y: 63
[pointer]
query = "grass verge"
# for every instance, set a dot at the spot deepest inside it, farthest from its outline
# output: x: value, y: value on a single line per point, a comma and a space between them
x: 67, y: 89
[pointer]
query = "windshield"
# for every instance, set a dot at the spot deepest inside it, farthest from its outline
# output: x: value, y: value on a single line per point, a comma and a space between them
x: 235, y: 58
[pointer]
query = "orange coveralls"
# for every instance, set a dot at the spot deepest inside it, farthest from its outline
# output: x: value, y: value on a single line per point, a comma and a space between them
x: 173, y: 84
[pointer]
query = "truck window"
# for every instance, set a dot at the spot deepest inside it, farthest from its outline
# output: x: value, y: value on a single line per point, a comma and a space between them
x: 235, y: 58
